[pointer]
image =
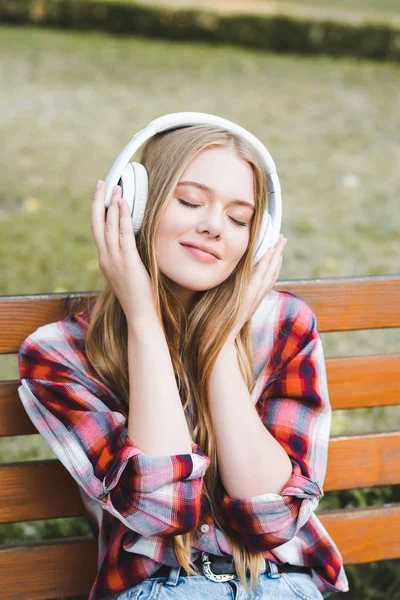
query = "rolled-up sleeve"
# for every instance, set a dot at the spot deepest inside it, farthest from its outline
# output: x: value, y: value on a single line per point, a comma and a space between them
x: 294, y: 406
x: 151, y: 495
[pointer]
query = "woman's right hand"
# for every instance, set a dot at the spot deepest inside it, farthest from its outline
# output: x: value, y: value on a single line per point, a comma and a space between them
x: 119, y: 259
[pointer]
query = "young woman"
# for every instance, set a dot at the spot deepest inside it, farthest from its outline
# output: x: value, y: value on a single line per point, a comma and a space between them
x: 190, y: 402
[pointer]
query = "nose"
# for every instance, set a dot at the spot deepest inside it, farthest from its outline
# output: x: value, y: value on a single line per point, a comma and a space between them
x: 212, y: 222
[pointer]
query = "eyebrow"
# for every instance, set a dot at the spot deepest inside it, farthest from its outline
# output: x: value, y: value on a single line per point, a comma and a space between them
x: 205, y: 188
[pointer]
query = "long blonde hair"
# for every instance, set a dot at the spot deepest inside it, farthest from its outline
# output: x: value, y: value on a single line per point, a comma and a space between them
x: 194, y: 337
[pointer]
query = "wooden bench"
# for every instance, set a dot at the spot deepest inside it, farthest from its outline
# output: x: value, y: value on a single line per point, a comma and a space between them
x: 45, y: 490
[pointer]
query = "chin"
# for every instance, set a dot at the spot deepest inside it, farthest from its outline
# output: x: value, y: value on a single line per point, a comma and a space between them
x: 197, y: 287
x: 193, y: 284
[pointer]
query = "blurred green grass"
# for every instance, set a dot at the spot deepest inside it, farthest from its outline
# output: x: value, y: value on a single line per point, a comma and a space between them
x: 72, y: 101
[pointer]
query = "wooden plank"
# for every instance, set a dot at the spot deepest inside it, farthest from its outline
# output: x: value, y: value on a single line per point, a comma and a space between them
x: 45, y: 489
x: 353, y: 382
x: 53, y: 569
x: 14, y: 419
x: 363, y: 461
x: 42, y: 489
x: 365, y: 535
x: 361, y: 381
x: 339, y: 304
x: 40, y: 571
x: 21, y: 315
x: 348, y: 303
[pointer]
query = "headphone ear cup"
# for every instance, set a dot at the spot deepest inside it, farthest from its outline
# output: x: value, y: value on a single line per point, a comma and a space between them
x: 140, y: 195
x: 269, y: 233
x: 134, y: 183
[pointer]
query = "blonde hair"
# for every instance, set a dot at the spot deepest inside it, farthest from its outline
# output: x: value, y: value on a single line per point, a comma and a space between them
x: 194, y: 337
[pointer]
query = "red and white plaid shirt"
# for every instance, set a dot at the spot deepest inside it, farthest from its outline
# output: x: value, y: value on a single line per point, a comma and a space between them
x: 136, y: 503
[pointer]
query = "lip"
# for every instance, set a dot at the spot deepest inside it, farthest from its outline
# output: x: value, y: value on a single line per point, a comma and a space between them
x: 203, y: 248
x: 200, y: 254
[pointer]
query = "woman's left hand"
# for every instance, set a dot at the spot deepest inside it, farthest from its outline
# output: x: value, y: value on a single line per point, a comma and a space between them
x: 264, y: 278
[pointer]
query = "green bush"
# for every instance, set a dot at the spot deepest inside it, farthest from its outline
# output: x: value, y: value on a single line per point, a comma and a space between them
x: 51, y: 529
x: 273, y: 33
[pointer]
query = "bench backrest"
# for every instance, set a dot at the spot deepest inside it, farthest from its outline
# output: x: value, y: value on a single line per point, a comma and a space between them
x: 45, y: 490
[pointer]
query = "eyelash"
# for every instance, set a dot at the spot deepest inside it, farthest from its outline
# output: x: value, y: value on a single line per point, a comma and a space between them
x: 239, y: 223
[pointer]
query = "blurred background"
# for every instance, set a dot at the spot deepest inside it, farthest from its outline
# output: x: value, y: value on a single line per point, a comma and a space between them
x: 317, y: 81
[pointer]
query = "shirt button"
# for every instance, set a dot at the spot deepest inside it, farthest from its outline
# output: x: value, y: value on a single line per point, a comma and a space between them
x: 204, y: 528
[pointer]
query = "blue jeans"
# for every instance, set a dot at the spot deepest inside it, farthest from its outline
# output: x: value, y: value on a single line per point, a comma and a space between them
x: 288, y: 586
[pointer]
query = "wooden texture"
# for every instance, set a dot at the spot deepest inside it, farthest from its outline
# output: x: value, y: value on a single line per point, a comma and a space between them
x: 37, y: 571
x: 45, y: 489
x: 21, y: 315
x: 14, y: 420
x: 349, y: 303
x: 38, y: 490
x: 339, y: 304
x: 363, y: 461
x: 365, y: 535
x: 362, y: 381
x: 353, y: 382
x: 33, y: 572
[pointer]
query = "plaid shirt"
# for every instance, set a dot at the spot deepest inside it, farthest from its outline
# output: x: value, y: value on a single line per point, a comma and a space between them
x: 136, y: 503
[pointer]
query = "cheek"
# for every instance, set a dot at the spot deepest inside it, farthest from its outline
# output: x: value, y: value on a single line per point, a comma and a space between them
x: 165, y: 230
x: 238, y: 247
x: 166, y: 239
x: 171, y: 224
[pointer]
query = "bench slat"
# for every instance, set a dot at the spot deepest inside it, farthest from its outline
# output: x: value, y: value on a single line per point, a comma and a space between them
x: 41, y: 489
x: 363, y: 461
x: 14, y: 420
x: 21, y: 315
x: 52, y: 569
x: 353, y: 382
x: 363, y: 381
x: 339, y: 304
x: 32, y: 571
x: 365, y: 535
x: 45, y: 489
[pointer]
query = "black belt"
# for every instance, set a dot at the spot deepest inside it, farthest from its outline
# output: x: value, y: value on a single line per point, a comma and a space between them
x: 222, y: 568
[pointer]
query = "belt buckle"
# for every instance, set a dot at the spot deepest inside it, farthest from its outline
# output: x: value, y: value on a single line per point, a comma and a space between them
x: 213, y: 576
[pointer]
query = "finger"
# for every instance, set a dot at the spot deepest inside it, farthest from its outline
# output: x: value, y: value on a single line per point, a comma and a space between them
x: 268, y: 266
x: 278, y: 269
x: 264, y: 261
x: 270, y: 280
x: 275, y: 274
x: 126, y: 234
x: 275, y: 263
x: 112, y: 225
x: 98, y: 217
x: 280, y: 241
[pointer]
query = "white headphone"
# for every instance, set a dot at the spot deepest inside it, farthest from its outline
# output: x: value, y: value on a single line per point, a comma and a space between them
x: 133, y: 179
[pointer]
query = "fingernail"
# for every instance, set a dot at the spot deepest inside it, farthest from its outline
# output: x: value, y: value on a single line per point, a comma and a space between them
x: 98, y: 184
x: 114, y: 189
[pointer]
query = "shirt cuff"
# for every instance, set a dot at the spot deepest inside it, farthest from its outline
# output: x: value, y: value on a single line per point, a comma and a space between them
x: 141, y: 472
x: 273, y: 511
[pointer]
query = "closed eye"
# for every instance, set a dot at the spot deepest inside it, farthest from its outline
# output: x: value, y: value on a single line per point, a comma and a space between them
x: 239, y: 223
